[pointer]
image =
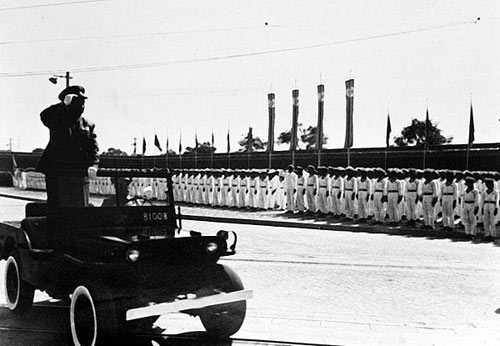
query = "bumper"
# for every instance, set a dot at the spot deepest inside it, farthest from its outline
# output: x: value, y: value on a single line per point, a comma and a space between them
x: 188, y: 304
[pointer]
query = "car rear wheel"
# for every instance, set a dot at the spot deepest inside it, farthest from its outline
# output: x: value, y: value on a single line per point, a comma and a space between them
x: 18, y: 293
x: 92, y: 316
x: 222, y: 321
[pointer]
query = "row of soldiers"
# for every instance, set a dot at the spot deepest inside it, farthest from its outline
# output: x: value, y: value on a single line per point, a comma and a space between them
x: 363, y: 193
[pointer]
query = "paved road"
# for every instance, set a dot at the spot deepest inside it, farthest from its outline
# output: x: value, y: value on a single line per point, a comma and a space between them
x: 356, y: 288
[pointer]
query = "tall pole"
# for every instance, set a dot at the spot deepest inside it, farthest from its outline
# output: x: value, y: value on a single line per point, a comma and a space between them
x: 295, y: 120
x: 270, y: 134
x: 319, y: 128
x: 67, y: 78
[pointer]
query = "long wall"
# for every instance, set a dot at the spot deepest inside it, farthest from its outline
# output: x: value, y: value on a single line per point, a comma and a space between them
x: 483, y: 157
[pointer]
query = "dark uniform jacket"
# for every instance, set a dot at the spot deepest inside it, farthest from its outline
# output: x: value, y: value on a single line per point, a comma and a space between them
x: 72, y: 146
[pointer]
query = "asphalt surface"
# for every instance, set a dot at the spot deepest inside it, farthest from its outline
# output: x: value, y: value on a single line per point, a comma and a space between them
x: 346, y: 288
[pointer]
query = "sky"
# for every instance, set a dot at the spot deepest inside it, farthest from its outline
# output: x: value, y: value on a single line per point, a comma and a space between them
x: 180, y: 68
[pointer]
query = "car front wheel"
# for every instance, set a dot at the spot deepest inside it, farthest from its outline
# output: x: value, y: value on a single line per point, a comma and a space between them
x: 92, y: 316
x: 223, y: 320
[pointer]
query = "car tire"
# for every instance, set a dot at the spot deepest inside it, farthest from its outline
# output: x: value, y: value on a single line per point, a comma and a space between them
x: 223, y: 320
x: 18, y: 293
x: 92, y: 316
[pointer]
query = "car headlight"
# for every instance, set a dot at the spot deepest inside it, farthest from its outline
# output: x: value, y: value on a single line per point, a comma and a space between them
x: 212, y: 247
x: 133, y: 255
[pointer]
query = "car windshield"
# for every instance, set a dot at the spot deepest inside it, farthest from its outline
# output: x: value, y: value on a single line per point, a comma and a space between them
x: 131, y: 192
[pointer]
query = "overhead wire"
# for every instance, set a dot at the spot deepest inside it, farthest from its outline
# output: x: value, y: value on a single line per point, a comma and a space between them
x: 153, y: 34
x: 48, y: 5
x: 236, y: 56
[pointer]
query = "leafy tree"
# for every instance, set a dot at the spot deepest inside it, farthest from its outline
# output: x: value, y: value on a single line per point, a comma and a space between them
x: 203, y: 148
x: 414, y: 135
x: 250, y: 143
x: 114, y: 152
x: 306, y: 136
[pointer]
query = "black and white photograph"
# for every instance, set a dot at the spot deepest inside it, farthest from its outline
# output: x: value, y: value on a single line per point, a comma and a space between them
x: 243, y: 173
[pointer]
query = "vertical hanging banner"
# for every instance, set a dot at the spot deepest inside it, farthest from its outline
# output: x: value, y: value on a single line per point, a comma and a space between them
x: 319, y: 128
x: 272, y: 118
x: 143, y: 145
x: 295, y: 119
x: 349, y: 96
x: 228, y: 142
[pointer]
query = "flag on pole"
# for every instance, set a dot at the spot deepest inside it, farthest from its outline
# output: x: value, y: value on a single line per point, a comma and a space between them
x: 180, y: 144
x: 196, y: 141
x: 388, y: 132
x: 427, y: 128
x: 14, y: 163
x: 213, y: 139
x: 319, y: 128
x: 349, y: 131
x: 143, y: 145
x: 166, y: 149
x: 157, y: 143
x: 295, y: 120
x: 272, y: 118
x: 471, y: 126
x: 228, y: 142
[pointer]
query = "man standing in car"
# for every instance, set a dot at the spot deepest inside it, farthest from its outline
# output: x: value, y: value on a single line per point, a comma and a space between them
x: 71, y: 156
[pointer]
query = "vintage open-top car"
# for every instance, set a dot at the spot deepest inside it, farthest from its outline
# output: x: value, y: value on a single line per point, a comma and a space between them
x: 122, y: 266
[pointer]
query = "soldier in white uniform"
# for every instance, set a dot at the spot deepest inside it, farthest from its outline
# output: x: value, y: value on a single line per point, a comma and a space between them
x: 379, y: 191
x: 401, y: 175
x: 429, y: 198
x: 244, y: 190
x: 217, y: 189
x: 274, y: 184
x: 460, y: 180
x: 263, y: 191
x: 350, y: 191
x: 235, y: 188
x: 337, y: 193
x: 449, y: 191
x: 470, y: 200
x: 364, y: 194
x: 280, y: 194
x: 300, y: 206
x: 311, y: 189
x: 290, y: 186
x: 324, y: 184
x: 330, y: 172
x: 254, y: 189
x: 490, y: 202
x: 394, y: 197
x: 412, y: 193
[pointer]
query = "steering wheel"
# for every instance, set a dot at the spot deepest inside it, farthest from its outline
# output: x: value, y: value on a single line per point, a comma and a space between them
x: 138, y: 201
